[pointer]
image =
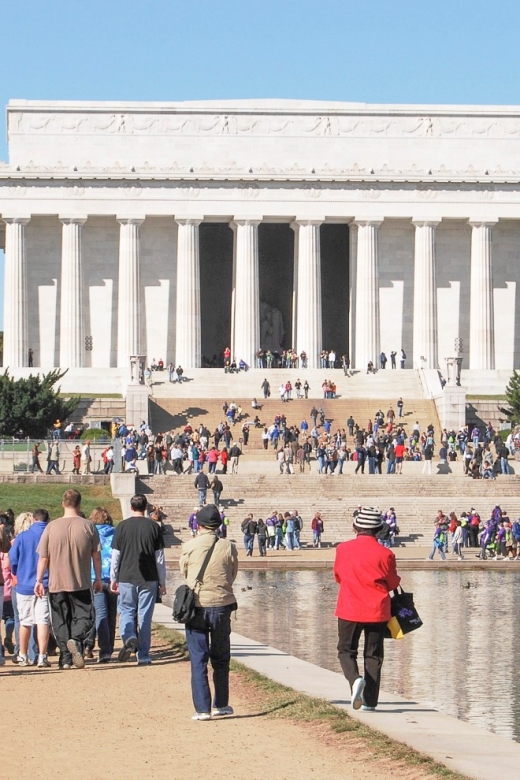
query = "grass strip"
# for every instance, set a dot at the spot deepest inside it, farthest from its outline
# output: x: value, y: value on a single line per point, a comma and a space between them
x: 482, y: 397
x: 283, y: 702
x: 26, y: 497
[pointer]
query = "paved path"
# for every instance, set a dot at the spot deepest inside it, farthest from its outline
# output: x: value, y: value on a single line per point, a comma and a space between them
x: 461, y: 746
x: 409, y: 557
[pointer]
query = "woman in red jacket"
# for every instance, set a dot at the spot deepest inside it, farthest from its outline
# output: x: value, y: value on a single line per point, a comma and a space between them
x: 224, y: 457
x: 366, y: 572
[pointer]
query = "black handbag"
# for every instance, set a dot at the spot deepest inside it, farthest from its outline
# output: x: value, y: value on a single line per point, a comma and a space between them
x: 184, y: 609
x: 405, y: 617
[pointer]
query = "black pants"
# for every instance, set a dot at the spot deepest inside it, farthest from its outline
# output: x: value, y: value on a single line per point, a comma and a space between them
x: 360, y: 465
x: 72, y: 617
x: 349, y: 634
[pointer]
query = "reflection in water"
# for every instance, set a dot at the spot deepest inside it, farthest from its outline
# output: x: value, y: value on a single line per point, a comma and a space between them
x: 463, y: 661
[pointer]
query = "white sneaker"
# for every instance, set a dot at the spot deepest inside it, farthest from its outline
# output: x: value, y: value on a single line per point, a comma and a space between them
x: 43, y: 662
x: 201, y: 716
x: 222, y: 710
x: 366, y: 708
x: 357, y: 693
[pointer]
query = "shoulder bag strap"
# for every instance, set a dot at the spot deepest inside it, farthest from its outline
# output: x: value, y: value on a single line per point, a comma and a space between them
x: 200, y: 577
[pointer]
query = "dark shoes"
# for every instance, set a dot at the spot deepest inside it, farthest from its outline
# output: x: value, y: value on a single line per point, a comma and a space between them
x: 128, y: 648
x: 74, y: 649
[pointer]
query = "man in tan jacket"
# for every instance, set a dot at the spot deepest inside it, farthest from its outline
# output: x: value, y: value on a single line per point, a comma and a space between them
x: 208, y: 636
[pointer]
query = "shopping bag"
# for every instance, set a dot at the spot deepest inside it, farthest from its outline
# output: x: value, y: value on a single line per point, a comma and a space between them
x: 405, y: 617
x: 393, y: 629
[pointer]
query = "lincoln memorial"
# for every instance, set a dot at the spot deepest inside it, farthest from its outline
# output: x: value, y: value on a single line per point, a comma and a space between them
x: 176, y: 230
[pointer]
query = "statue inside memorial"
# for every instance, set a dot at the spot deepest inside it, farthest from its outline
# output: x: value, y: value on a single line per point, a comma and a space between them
x: 271, y: 328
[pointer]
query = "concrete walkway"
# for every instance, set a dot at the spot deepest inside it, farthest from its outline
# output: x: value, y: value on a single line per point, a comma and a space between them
x: 458, y: 745
x: 410, y: 557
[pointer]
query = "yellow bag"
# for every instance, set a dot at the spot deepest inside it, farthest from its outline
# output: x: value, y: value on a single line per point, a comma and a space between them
x: 393, y: 629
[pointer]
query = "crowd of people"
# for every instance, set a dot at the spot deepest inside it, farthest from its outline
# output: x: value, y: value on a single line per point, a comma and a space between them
x: 75, y: 575
x: 64, y: 583
x: 496, y: 537
x: 382, y: 445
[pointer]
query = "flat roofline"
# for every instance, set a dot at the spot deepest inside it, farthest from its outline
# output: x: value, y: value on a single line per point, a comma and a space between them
x: 261, y: 106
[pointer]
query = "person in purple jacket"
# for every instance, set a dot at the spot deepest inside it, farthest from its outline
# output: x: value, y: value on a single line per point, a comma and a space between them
x: 32, y: 610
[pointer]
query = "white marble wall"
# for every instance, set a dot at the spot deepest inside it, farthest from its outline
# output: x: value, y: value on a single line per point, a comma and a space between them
x: 453, y: 243
x: 100, y: 246
x: 396, y: 250
x: 43, y: 251
x: 158, y: 287
x: 506, y: 287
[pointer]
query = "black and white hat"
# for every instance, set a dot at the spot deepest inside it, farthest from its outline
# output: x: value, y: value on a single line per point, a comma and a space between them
x: 368, y: 517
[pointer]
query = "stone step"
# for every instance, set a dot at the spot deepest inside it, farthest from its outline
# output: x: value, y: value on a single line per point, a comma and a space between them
x: 416, y: 500
x: 174, y: 414
x: 211, y: 383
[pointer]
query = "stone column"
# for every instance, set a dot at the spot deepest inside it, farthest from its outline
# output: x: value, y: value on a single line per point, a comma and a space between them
x: 246, y: 328
x: 367, y: 337
x: 424, y: 296
x: 128, y: 320
x: 308, y: 337
x: 188, y: 327
x: 71, y: 297
x: 16, y: 322
x: 481, y: 331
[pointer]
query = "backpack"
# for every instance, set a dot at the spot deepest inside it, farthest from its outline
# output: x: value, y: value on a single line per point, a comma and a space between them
x: 516, y: 531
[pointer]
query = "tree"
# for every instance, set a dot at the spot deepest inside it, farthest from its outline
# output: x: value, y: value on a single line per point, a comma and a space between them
x: 29, y: 407
x: 512, y: 412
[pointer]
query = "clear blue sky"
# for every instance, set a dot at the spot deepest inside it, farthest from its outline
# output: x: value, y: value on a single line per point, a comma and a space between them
x: 405, y: 51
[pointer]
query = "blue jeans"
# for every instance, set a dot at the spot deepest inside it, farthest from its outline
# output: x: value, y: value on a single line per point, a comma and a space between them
x: 439, y: 549
x: 248, y: 543
x: 137, y: 601
x: 210, y: 643
x: 105, y: 607
x: 289, y: 537
x: 202, y: 496
x: 504, y: 465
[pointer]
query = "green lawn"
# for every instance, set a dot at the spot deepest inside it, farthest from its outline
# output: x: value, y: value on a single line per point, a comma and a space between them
x: 24, y: 497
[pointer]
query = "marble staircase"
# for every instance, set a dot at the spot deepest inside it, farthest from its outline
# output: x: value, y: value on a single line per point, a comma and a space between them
x: 416, y: 499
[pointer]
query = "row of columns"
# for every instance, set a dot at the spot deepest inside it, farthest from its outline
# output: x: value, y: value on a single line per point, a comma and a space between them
x: 245, y: 329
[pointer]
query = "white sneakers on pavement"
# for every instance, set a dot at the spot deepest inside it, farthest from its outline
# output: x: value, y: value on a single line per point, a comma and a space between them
x: 357, y: 693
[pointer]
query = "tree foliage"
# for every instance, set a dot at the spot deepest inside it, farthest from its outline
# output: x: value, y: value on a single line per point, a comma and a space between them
x: 512, y: 411
x: 29, y: 407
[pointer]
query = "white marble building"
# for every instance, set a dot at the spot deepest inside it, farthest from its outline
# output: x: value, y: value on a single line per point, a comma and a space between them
x: 166, y: 228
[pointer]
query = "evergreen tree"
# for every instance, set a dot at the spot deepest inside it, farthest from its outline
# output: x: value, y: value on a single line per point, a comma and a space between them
x: 29, y: 407
x: 512, y: 412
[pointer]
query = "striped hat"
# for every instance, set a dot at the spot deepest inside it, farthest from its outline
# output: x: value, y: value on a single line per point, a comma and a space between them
x: 368, y: 517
